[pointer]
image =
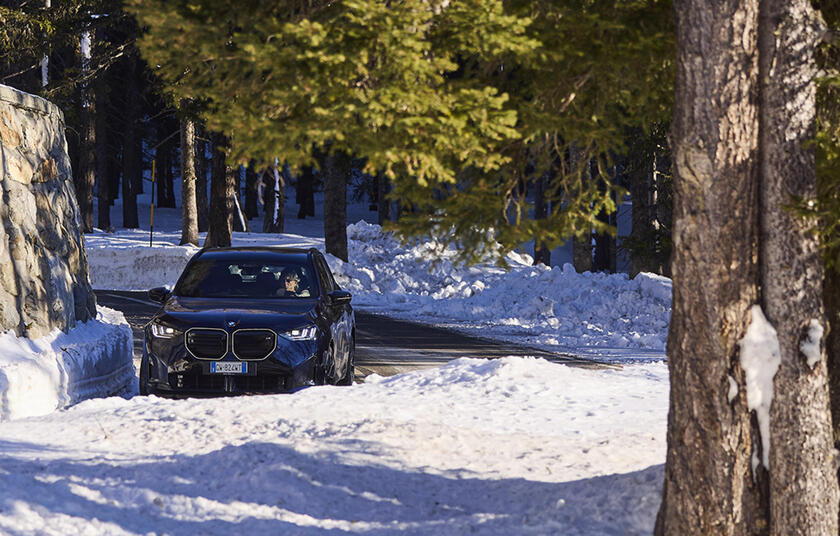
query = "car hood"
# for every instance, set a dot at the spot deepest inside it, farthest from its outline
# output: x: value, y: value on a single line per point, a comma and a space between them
x: 233, y: 313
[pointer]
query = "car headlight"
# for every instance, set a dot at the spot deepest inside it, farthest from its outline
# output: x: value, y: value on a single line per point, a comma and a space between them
x: 302, y: 334
x: 162, y: 331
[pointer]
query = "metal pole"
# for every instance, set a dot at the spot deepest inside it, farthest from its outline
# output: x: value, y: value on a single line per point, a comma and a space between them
x: 152, y: 217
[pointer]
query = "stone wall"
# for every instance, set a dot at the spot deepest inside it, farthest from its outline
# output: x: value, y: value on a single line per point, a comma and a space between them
x: 43, y: 270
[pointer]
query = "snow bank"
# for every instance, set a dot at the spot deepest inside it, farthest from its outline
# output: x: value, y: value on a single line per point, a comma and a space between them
x: 491, y: 447
x: 132, y: 267
x: 607, y: 316
x: 549, y: 307
x: 41, y: 375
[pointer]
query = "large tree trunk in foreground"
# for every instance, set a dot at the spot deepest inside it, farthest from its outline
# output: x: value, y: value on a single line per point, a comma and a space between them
x: 189, y: 213
x: 709, y: 484
x: 744, y: 110
x: 803, y: 484
x: 221, y: 197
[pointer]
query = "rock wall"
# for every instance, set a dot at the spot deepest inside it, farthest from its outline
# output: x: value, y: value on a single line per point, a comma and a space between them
x: 43, y: 270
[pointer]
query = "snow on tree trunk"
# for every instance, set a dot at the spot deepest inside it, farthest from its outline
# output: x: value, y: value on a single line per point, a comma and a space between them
x: 709, y: 486
x: 801, y: 455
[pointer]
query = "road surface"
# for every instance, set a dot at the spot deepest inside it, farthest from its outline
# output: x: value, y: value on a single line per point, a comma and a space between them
x: 383, y: 345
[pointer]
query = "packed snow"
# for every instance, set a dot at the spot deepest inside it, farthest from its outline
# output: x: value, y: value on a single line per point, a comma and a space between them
x: 509, y: 446
x: 760, y: 359
x: 52, y: 372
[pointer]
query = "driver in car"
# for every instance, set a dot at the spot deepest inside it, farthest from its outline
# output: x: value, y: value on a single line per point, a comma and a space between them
x: 291, y: 278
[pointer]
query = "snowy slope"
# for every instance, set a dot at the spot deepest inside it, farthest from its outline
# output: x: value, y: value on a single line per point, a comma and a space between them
x: 511, y: 446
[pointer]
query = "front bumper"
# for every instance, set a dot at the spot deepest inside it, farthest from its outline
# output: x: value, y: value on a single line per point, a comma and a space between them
x: 173, y: 370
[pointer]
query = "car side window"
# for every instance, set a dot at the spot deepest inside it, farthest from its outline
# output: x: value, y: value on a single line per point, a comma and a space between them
x: 325, y: 275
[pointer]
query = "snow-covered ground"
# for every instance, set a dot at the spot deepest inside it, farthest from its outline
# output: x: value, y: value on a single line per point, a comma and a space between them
x: 509, y: 446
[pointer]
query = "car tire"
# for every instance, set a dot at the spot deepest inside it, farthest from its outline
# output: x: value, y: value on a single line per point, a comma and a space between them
x: 144, y: 378
x: 350, y: 374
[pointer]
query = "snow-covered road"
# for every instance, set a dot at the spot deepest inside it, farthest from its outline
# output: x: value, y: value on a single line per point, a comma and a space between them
x: 509, y: 446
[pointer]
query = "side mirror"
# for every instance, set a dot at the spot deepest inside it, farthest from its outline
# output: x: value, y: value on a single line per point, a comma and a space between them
x: 159, y: 294
x: 339, y: 297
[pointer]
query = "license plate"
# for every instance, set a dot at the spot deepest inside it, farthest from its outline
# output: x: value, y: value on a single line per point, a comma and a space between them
x: 225, y: 367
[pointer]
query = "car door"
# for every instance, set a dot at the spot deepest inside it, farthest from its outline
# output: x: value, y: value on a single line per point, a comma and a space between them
x: 339, y: 316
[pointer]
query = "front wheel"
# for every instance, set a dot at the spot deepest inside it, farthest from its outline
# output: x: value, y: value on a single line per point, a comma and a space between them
x: 350, y: 373
x: 144, y: 378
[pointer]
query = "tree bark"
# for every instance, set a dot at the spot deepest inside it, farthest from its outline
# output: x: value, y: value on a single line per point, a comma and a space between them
x: 201, y: 184
x: 275, y: 200
x: 131, y: 156
x: 86, y: 177
x: 189, y: 213
x: 103, y: 176
x: 709, y: 487
x: 803, y: 483
x: 252, y: 180
x: 542, y: 255
x: 305, y: 192
x: 382, y: 188
x: 335, y: 207
x: 240, y: 221
x: 221, y: 197
x: 582, y: 244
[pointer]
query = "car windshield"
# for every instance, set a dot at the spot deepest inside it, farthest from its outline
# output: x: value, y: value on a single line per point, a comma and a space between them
x: 252, y: 278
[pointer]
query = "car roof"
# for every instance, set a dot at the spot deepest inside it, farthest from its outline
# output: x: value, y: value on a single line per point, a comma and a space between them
x: 247, y: 253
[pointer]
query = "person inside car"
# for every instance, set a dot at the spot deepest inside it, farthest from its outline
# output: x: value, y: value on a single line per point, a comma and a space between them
x: 291, y: 281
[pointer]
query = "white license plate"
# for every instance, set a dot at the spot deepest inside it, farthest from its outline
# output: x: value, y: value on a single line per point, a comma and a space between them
x: 224, y: 367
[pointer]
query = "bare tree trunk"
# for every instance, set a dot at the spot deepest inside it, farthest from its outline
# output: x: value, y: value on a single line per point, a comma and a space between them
x: 542, y: 255
x: 201, y: 184
x: 383, y: 187
x: 130, y: 154
x: 86, y: 177
x: 709, y: 485
x: 275, y: 200
x: 581, y: 245
x: 801, y: 454
x: 335, y: 207
x: 189, y: 214
x: 252, y: 180
x: 103, y: 176
x: 221, y: 197
x: 240, y: 221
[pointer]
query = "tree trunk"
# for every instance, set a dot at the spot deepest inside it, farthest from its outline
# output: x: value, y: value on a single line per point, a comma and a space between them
x: 201, y: 184
x: 131, y: 157
x: 86, y: 177
x: 252, y: 180
x: 103, y: 176
x: 305, y: 192
x: 335, y: 206
x: 240, y: 221
x: 803, y: 483
x: 189, y: 214
x: 383, y: 187
x: 221, y: 197
x: 542, y: 255
x: 275, y: 200
x: 581, y: 244
x: 709, y: 487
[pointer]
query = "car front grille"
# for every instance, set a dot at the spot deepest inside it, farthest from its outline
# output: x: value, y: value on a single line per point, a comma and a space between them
x: 207, y: 343
x: 253, y: 344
